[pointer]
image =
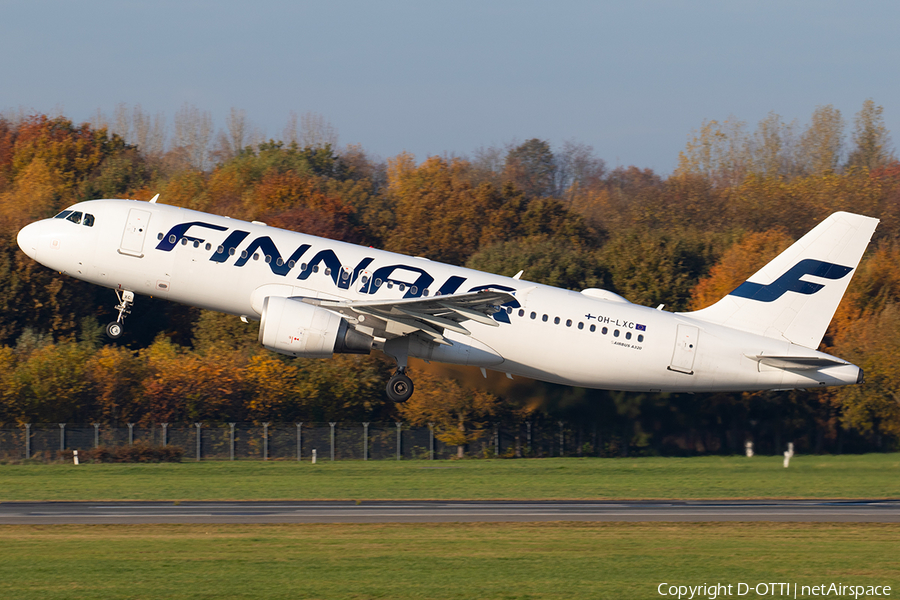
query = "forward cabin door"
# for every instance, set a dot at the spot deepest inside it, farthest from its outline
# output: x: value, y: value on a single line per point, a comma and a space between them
x: 685, y: 349
x: 135, y: 233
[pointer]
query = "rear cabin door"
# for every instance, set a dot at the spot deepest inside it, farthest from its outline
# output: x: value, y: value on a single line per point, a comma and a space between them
x: 685, y: 349
x: 135, y: 232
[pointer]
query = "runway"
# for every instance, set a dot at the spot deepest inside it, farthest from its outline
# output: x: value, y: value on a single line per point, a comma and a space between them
x: 845, y: 511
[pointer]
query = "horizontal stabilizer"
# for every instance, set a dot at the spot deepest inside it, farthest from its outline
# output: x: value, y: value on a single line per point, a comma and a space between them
x: 797, y: 363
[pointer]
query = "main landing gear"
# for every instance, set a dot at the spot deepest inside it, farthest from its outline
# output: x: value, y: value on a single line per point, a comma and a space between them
x: 117, y: 327
x: 400, y: 386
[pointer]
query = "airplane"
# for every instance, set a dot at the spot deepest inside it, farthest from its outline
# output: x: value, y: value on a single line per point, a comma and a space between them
x: 315, y: 297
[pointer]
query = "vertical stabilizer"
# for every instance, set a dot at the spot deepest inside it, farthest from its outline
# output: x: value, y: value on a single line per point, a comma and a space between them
x: 794, y: 296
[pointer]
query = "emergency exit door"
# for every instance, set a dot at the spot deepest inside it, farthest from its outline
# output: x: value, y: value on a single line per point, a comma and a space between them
x: 685, y: 349
x: 135, y: 232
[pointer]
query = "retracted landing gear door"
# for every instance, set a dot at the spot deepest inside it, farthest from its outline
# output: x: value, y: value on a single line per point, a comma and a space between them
x: 135, y: 232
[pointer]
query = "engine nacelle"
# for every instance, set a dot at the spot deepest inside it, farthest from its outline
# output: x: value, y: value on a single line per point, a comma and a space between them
x: 298, y: 329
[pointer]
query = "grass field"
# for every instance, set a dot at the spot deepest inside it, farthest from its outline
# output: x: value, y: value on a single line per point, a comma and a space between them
x: 450, y: 560
x: 856, y: 476
x: 439, y: 561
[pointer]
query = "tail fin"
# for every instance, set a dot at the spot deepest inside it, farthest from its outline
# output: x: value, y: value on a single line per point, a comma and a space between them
x: 794, y: 296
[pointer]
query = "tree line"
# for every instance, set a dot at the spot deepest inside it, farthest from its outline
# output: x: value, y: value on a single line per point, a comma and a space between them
x: 737, y: 198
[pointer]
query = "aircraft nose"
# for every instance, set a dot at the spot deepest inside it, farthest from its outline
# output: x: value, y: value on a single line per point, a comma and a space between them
x: 28, y: 240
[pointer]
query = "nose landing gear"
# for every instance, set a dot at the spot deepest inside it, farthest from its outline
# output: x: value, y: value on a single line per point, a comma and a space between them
x: 117, y: 327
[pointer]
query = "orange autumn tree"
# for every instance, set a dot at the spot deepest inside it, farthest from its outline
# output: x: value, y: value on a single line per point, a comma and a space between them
x: 739, y: 262
x: 459, y: 414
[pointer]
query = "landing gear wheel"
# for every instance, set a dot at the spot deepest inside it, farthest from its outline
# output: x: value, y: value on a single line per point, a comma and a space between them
x: 126, y: 301
x: 115, y: 330
x: 399, y: 388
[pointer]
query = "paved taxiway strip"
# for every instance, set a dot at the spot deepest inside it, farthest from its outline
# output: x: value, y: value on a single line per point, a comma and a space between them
x: 860, y: 511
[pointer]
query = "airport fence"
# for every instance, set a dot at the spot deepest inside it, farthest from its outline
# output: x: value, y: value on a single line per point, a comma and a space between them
x: 294, y: 441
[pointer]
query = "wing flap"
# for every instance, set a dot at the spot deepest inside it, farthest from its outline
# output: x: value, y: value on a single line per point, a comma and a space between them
x: 429, y: 316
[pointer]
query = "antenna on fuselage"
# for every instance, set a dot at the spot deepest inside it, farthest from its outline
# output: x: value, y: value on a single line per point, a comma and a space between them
x: 154, y: 199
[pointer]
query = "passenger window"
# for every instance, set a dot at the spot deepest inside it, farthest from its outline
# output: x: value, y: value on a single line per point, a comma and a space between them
x: 208, y: 246
x: 378, y: 283
x: 544, y: 318
x: 160, y: 236
x: 414, y: 290
x: 616, y: 333
x: 291, y: 264
x: 316, y: 269
x: 402, y: 287
x: 556, y: 321
x: 278, y: 261
x: 243, y: 254
x: 533, y: 315
x: 640, y: 337
x: 593, y: 328
x: 256, y: 256
x: 390, y: 285
x: 627, y: 335
x: 75, y: 217
x: 581, y: 326
x: 425, y: 292
x: 521, y: 313
x: 604, y: 331
x: 568, y: 322
x: 328, y: 270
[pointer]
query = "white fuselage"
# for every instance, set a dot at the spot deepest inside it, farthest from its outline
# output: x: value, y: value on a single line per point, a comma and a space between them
x: 589, y: 339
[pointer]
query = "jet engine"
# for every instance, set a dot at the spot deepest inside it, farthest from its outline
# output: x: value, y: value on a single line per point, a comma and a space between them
x: 297, y: 329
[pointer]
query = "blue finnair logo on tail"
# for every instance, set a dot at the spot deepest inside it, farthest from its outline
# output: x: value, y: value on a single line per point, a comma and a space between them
x: 791, y: 282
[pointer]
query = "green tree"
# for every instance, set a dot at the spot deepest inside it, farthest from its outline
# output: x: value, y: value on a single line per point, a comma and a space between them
x: 657, y: 267
x: 551, y: 261
x: 52, y: 383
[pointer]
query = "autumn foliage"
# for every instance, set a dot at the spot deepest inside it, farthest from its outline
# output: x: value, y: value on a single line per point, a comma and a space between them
x: 737, y: 199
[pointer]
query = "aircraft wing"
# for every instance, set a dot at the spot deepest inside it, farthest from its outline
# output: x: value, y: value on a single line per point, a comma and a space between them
x: 429, y: 317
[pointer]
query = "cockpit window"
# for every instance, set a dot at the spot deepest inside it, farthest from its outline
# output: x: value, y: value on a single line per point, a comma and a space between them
x: 63, y: 214
x: 75, y: 217
x: 88, y: 220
